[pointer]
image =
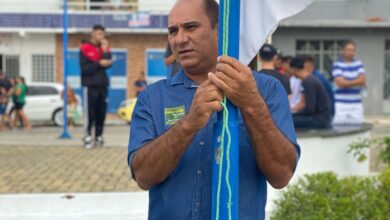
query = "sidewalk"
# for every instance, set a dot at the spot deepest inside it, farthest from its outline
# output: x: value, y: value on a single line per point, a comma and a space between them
x: 66, y: 181
x: 37, y: 161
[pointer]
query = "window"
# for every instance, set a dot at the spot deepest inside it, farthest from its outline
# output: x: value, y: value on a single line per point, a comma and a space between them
x: 323, y: 51
x: 10, y: 64
x: 43, y: 67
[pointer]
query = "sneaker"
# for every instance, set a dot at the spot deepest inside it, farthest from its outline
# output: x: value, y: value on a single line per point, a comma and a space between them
x: 87, y: 142
x: 99, y: 141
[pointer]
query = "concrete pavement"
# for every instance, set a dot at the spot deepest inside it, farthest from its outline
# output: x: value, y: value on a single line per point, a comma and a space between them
x: 43, y: 177
x: 37, y: 161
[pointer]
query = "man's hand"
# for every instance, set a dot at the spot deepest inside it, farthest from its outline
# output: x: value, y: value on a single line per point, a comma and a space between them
x: 341, y: 82
x: 104, y: 45
x: 237, y: 83
x: 105, y: 62
x: 206, y: 101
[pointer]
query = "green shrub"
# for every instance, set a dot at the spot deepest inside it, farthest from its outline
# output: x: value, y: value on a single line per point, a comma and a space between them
x: 325, y: 196
x: 358, y: 148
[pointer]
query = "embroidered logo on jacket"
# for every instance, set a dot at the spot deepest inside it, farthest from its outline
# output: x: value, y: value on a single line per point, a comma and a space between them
x: 172, y: 115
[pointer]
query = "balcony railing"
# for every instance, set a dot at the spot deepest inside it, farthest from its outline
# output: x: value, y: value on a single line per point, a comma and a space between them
x: 86, y: 6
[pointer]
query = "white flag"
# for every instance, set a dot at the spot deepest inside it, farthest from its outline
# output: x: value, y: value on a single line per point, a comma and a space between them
x: 259, y: 18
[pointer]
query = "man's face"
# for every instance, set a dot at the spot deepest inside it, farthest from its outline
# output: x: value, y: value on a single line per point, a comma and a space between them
x: 295, y: 72
x: 349, y: 51
x: 287, y: 68
x: 277, y: 61
x: 308, y: 66
x: 192, y: 39
x: 98, y: 35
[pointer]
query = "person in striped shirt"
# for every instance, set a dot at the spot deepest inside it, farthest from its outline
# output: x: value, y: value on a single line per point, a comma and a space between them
x: 350, y: 77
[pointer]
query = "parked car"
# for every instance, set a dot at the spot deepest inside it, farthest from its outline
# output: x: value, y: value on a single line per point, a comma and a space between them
x: 126, y: 109
x: 44, y: 102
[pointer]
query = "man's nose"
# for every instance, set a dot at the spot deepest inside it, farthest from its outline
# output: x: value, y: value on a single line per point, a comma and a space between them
x: 181, y: 37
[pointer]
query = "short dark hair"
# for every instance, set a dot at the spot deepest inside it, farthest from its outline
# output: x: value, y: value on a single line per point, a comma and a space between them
x: 348, y: 42
x: 297, y: 62
x: 212, y: 10
x: 287, y: 59
x: 98, y: 27
x: 308, y: 59
x: 267, y: 52
x: 1, y: 72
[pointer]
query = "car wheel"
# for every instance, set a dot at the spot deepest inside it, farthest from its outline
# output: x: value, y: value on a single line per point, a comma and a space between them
x: 58, y: 117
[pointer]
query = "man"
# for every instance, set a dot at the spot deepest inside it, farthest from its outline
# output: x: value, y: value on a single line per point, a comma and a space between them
x: 349, y: 76
x: 170, y: 148
x: 140, y: 83
x: 5, y: 93
x: 95, y: 58
x: 315, y: 112
x: 268, y: 55
x: 278, y: 61
x: 295, y: 99
x: 309, y: 65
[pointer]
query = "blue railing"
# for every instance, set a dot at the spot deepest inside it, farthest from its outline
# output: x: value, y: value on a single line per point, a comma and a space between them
x: 112, y: 20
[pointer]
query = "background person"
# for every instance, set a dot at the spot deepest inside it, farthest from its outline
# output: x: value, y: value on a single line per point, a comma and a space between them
x: 309, y: 65
x: 349, y: 76
x: 95, y: 58
x: 315, y: 112
x: 5, y: 93
x: 19, y: 100
x: 268, y: 55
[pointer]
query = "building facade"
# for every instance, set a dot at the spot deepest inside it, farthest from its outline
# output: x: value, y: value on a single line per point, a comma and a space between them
x: 321, y: 30
x: 31, y: 39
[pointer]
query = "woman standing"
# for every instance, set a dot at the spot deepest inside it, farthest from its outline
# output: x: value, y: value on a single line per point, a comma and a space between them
x: 19, y: 95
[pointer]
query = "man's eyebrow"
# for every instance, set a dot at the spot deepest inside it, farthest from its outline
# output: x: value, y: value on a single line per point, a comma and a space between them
x: 172, y: 27
x: 191, y: 23
x: 185, y: 24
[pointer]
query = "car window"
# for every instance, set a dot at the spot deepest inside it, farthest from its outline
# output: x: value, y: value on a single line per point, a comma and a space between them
x: 41, y: 90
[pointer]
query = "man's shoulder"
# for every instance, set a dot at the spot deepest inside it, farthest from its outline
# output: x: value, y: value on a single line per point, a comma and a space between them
x: 156, y: 87
x: 87, y: 46
x: 264, y: 78
x: 266, y: 83
x: 309, y: 80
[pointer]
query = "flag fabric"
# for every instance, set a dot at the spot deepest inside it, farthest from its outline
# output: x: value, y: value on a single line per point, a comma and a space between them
x: 259, y: 19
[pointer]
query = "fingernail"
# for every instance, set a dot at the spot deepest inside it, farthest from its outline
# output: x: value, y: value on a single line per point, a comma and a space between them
x: 218, y: 58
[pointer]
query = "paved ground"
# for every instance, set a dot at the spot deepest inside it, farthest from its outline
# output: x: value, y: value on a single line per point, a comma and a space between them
x: 38, y: 162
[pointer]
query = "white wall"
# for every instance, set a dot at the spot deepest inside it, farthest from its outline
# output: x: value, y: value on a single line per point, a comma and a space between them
x: 25, y: 47
x: 155, y: 5
x: 29, y: 5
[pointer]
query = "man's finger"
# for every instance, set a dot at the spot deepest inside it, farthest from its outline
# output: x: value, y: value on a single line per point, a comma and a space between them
x: 215, y: 106
x: 218, y: 82
x: 214, y: 95
x: 232, y: 62
x: 205, y: 83
x: 228, y: 70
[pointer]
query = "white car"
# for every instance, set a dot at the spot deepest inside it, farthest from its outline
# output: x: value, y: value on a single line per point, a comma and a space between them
x: 44, y: 102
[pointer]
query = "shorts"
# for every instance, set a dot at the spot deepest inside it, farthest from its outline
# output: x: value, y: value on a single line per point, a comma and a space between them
x: 18, y: 106
x: 3, y: 108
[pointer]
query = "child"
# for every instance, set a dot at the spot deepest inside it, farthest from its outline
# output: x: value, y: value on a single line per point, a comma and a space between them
x: 73, y: 114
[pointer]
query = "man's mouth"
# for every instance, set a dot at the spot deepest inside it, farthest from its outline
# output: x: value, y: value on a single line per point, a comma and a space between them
x: 185, y: 52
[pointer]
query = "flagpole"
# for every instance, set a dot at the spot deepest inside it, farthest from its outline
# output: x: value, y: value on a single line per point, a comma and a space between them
x: 65, y: 134
x: 225, y: 169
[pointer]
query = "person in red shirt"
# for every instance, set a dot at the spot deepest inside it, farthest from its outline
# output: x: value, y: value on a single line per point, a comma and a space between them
x: 95, y: 58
